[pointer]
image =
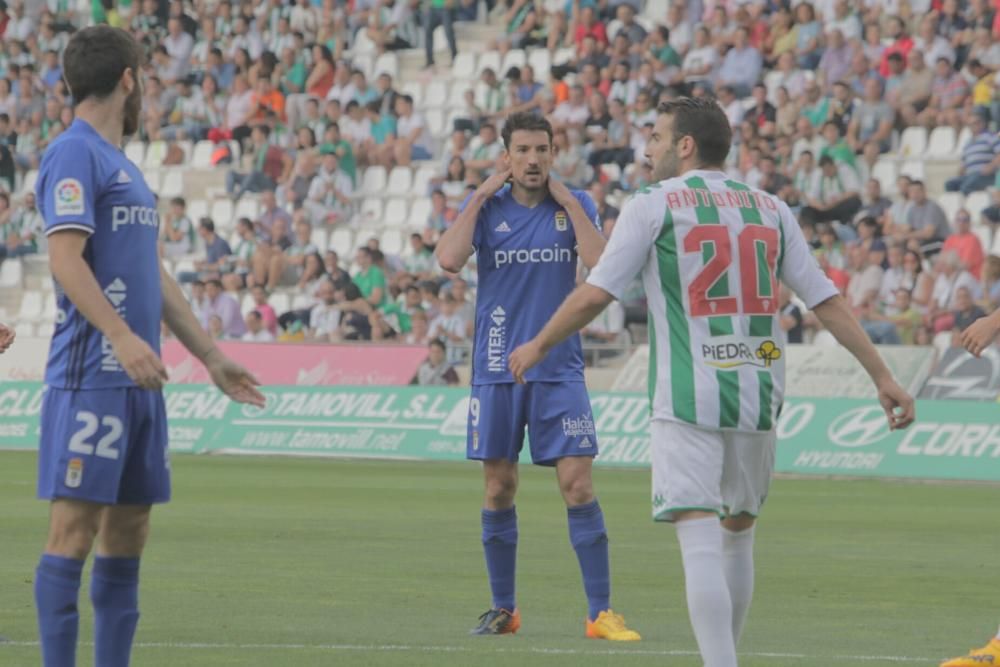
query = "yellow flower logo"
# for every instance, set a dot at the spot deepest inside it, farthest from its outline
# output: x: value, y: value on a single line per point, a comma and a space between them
x: 768, y: 352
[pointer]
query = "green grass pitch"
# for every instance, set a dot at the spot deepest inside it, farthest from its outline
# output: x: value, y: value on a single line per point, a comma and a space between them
x: 278, y: 561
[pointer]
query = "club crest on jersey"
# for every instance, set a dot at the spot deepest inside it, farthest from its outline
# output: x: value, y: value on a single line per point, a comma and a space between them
x: 74, y: 473
x: 734, y: 353
x: 69, y: 197
x: 562, y: 222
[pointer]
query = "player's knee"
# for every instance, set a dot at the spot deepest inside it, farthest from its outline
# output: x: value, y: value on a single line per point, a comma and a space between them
x: 577, y: 490
x: 124, y: 536
x: 500, y: 490
x: 72, y: 537
x: 739, y: 523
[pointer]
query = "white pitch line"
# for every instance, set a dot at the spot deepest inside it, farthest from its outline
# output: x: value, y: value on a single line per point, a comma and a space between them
x: 468, y: 649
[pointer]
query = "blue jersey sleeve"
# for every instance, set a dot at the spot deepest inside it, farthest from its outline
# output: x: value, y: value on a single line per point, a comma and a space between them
x: 67, y: 187
x: 589, y: 207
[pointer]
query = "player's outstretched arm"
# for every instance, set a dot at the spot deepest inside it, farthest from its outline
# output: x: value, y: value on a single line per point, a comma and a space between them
x: 76, y: 279
x: 234, y: 380
x: 837, y: 317
x: 6, y: 337
x: 583, y: 305
x: 978, y: 335
x: 455, y: 246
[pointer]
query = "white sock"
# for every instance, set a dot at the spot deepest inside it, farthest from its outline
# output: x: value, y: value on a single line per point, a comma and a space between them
x: 709, y: 604
x: 998, y: 634
x: 737, y: 554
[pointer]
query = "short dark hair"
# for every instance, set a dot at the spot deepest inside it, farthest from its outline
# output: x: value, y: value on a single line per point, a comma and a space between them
x: 524, y: 121
x: 207, y: 225
x: 437, y: 342
x: 178, y: 201
x: 95, y: 60
x: 703, y: 120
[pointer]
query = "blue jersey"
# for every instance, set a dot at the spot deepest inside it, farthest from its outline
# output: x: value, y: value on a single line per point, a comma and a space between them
x: 86, y: 183
x: 527, y: 266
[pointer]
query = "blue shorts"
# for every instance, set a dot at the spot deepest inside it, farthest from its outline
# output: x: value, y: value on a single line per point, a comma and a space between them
x: 558, y: 416
x: 107, y: 446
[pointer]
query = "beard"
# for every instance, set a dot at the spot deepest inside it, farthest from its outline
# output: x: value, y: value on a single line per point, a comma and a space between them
x: 669, y: 166
x: 131, y: 112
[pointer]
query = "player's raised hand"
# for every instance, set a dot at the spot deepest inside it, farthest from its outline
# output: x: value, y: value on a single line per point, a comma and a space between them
x: 6, y: 337
x: 139, y: 361
x: 493, y: 184
x: 978, y: 335
x: 523, y: 359
x: 235, y: 381
x: 898, y: 404
x: 560, y: 192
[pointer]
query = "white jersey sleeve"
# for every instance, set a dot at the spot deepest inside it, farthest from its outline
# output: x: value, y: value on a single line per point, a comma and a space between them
x: 799, y: 268
x: 627, y: 250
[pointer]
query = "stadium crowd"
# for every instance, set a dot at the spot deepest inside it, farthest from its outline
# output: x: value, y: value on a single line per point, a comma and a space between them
x: 819, y: 94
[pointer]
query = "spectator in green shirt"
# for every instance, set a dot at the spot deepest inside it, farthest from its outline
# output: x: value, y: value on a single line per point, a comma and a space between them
x: 334, y: 142
x: 370, y: 279
x: 836, y: 145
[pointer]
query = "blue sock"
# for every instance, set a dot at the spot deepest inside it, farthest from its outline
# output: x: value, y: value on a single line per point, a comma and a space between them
x: 590, y: 541
x: 500, y: 545
x: 114, y: 591
x: 57, y: 586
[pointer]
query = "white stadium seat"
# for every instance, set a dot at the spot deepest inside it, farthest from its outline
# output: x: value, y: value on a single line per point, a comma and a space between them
x: 30, y: 178
x: 319, y: 238
x: 24, y: 330
x: 12, y: 273
x: 464, y: 66
x: 49, y: 309
x: 913, y: 143
x: 374, y: 181
x: 155, y: 152
x: 371, y: 211
x: 391, y: 242
x: 951, y: 202
x: 975, y: 203
x: 491, y: 60
x: 421, y: 181
x: 31, y: 306
x: 885, y: 173
x: 136, y: 152
x: 985, y: 235
x: 247, y: 207
x: 414, y: 89
x: 197, y: 209
x: 280, y: 301
x: 387, y: 63
x: 963, y: 138
x: 173, y: 184
x: 222, y: 213
x: 301, y: 302
x: 436, y: 94
x: 541, y: 61
x: 400, y: 182
x: 435, y: 122
x: 342, y: 242
x: 514, y: 58
x: 419, y: 212
x: 202, y: 155
x: 247, y: 304
x: 456, y: 99
x: 395, y: 212
x: 941, y: 144
x: 912, y: 168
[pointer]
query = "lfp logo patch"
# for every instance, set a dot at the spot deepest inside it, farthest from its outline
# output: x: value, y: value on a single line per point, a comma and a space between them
x: 69, y: 197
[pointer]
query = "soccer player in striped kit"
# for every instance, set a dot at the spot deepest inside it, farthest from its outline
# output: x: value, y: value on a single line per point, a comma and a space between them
x: 711, y: 251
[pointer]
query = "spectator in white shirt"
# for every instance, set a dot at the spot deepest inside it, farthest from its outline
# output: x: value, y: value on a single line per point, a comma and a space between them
x: 572, y: 113
x: 325, y: 316
x: 179, y: 46
x: 450, y: 326
x: 256, y: 332
x: 413, y: 138
x: 329, y: 199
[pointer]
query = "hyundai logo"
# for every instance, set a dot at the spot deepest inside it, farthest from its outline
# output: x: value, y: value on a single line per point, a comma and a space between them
x: 859, y: 427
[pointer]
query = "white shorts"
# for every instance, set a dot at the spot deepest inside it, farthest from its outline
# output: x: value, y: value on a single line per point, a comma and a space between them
x: 727, y: 472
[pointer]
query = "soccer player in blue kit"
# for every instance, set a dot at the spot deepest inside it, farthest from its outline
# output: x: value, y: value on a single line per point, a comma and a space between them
x: 527, y: 230
x: 103, y: 456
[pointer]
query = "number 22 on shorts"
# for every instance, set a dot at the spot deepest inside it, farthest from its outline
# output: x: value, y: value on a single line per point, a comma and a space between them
x: 106, y: 448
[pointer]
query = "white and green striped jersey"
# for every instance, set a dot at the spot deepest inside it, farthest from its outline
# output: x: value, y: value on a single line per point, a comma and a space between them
x: 711, y: 251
